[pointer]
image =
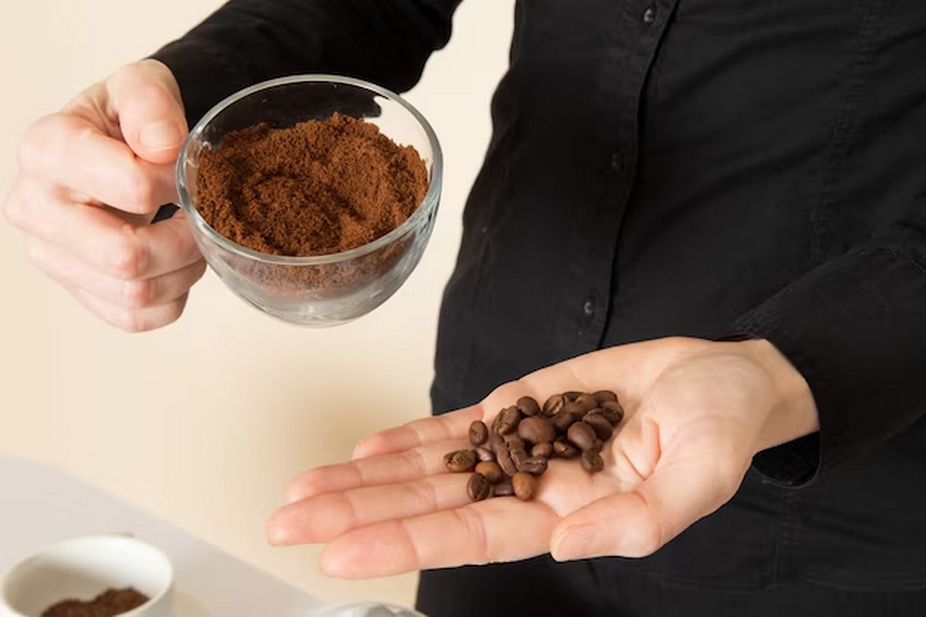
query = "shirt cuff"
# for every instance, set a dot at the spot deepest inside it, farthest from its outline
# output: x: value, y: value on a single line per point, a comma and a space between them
x: 855, y: 328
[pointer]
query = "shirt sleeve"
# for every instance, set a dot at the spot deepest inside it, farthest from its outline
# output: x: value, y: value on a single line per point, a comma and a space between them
x: 855, y: 327
x: 249, y: 41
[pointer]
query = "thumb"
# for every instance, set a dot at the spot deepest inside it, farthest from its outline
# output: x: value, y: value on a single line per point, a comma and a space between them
x: 666, y: 493
x: 146, y: 99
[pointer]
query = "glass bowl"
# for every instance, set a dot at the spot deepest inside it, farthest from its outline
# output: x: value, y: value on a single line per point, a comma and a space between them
x: 330, y: 289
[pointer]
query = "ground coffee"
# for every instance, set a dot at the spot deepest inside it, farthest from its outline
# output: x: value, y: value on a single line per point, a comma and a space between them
x: 319, y: 187
x: 110, y: 603
x: 568, y: 426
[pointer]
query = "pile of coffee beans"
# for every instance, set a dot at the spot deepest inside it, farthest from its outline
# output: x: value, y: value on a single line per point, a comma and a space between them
x: 508, y: 458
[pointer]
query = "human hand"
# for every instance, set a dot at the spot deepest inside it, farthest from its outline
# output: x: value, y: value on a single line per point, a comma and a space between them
x: 696, y: 413
x: 90, y: 179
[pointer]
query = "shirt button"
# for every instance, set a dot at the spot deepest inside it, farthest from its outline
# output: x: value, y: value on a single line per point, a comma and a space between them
x: 649, y: 15
x: 589, y: 307
x: 617, y: 161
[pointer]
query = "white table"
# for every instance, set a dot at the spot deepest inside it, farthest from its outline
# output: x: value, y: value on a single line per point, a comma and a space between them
x: 39, y: 507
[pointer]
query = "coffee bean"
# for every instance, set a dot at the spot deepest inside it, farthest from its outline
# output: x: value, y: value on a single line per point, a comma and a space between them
x: 600, y: 423
x: 518, y: 453
x: 591, y: 460
x: 572, y: 395
x: 534, y: 465
x: 485, y: 454
x: 490, y: 470
x: 478, y: 433
x: 508, y: 420
x: 564, y: 419
x: 479, y: 487
x: 503, y: 488
x: 613, y: 411
x: 459, y: 461
x: 542, y: 449
x: 502, y: 456
x: 553, y: 405
x: 602, y: 396
x: 536, y: 430
x: 525, y: 486
x: 528, y: 406
x: 586, y: 402
x: 581, y: 435
x: 563, y: 449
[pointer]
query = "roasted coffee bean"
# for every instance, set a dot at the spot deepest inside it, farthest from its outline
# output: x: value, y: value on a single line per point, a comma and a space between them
x: 479, y: 487
x: 586, y: 402
x: 591, y: 460
x: 603, y: 396
x: 599, y: 422
x: 564, y: 419
x: 528, y: 406
x: 542, y: 449
x: 525, y: 486
x: 503, y: 488
x: 490, y: 470
x: 613, y: 411
x: 536, y: 430
x: 459, y: 461
x: 502, y: 456
x: 572, y: 395
x: 518, y: 453
x: 553, y: 405
x: 508, y: 420
x: 478, y: 433
x: 485, y: 454
x: 534, y: 465
x: 564, y: 449
x: 581, y: 435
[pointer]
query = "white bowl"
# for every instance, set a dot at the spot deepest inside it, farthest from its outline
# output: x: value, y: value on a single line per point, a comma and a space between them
x: 82, y: 569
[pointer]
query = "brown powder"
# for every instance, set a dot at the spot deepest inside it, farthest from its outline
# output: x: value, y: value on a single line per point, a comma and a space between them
x: 320, y: 187
x: 110, y: 603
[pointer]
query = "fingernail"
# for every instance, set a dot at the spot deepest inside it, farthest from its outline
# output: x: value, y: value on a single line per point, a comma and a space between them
x: 360, y: 450
x: 161, y: 136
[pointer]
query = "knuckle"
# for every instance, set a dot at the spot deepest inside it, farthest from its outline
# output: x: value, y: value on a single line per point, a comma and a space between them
x: 14, y: 212
x: 140, y: 191
x: 130, y: 321
x: 138, y: 294
x: 126, y: 257
x: 646, y: 540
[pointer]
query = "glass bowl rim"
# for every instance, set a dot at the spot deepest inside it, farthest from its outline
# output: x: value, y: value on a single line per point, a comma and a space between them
x: 418, y: 217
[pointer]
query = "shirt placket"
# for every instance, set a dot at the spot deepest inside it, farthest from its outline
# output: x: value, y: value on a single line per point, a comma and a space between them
x: 627, y: 53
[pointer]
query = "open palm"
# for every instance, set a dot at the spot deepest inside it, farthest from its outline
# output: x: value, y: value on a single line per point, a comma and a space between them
x: 696, y: 413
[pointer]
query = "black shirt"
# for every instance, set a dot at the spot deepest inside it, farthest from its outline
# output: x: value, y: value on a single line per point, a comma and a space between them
x: 682, y: 167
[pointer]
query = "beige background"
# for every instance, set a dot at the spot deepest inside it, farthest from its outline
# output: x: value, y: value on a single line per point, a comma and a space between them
x: 203, y: 422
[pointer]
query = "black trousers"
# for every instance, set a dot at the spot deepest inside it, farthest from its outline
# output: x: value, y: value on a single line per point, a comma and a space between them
x: 542, y: 588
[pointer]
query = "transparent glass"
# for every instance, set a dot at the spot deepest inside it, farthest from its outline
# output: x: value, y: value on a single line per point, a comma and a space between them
x: 330, y: 289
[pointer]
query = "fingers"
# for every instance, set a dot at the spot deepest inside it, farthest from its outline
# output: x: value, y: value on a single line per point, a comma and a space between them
x: 326, y: 516
x: 146, y: 99
x: 487, y: 531
x: 454, y: 425
x: 70, y: 151
x: 132, y: 320
x: 628, y: 370
x: 403, y: 466
x: 101, y: 239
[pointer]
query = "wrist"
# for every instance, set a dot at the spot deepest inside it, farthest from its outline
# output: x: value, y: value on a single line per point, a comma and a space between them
x: 793, y: 413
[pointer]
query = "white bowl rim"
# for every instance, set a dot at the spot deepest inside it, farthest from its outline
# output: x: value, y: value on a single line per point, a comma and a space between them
x: 48, y: 548
x: 424, y: 210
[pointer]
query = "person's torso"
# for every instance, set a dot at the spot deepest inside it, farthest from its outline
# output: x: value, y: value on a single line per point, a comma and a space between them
x: 660, y: 168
